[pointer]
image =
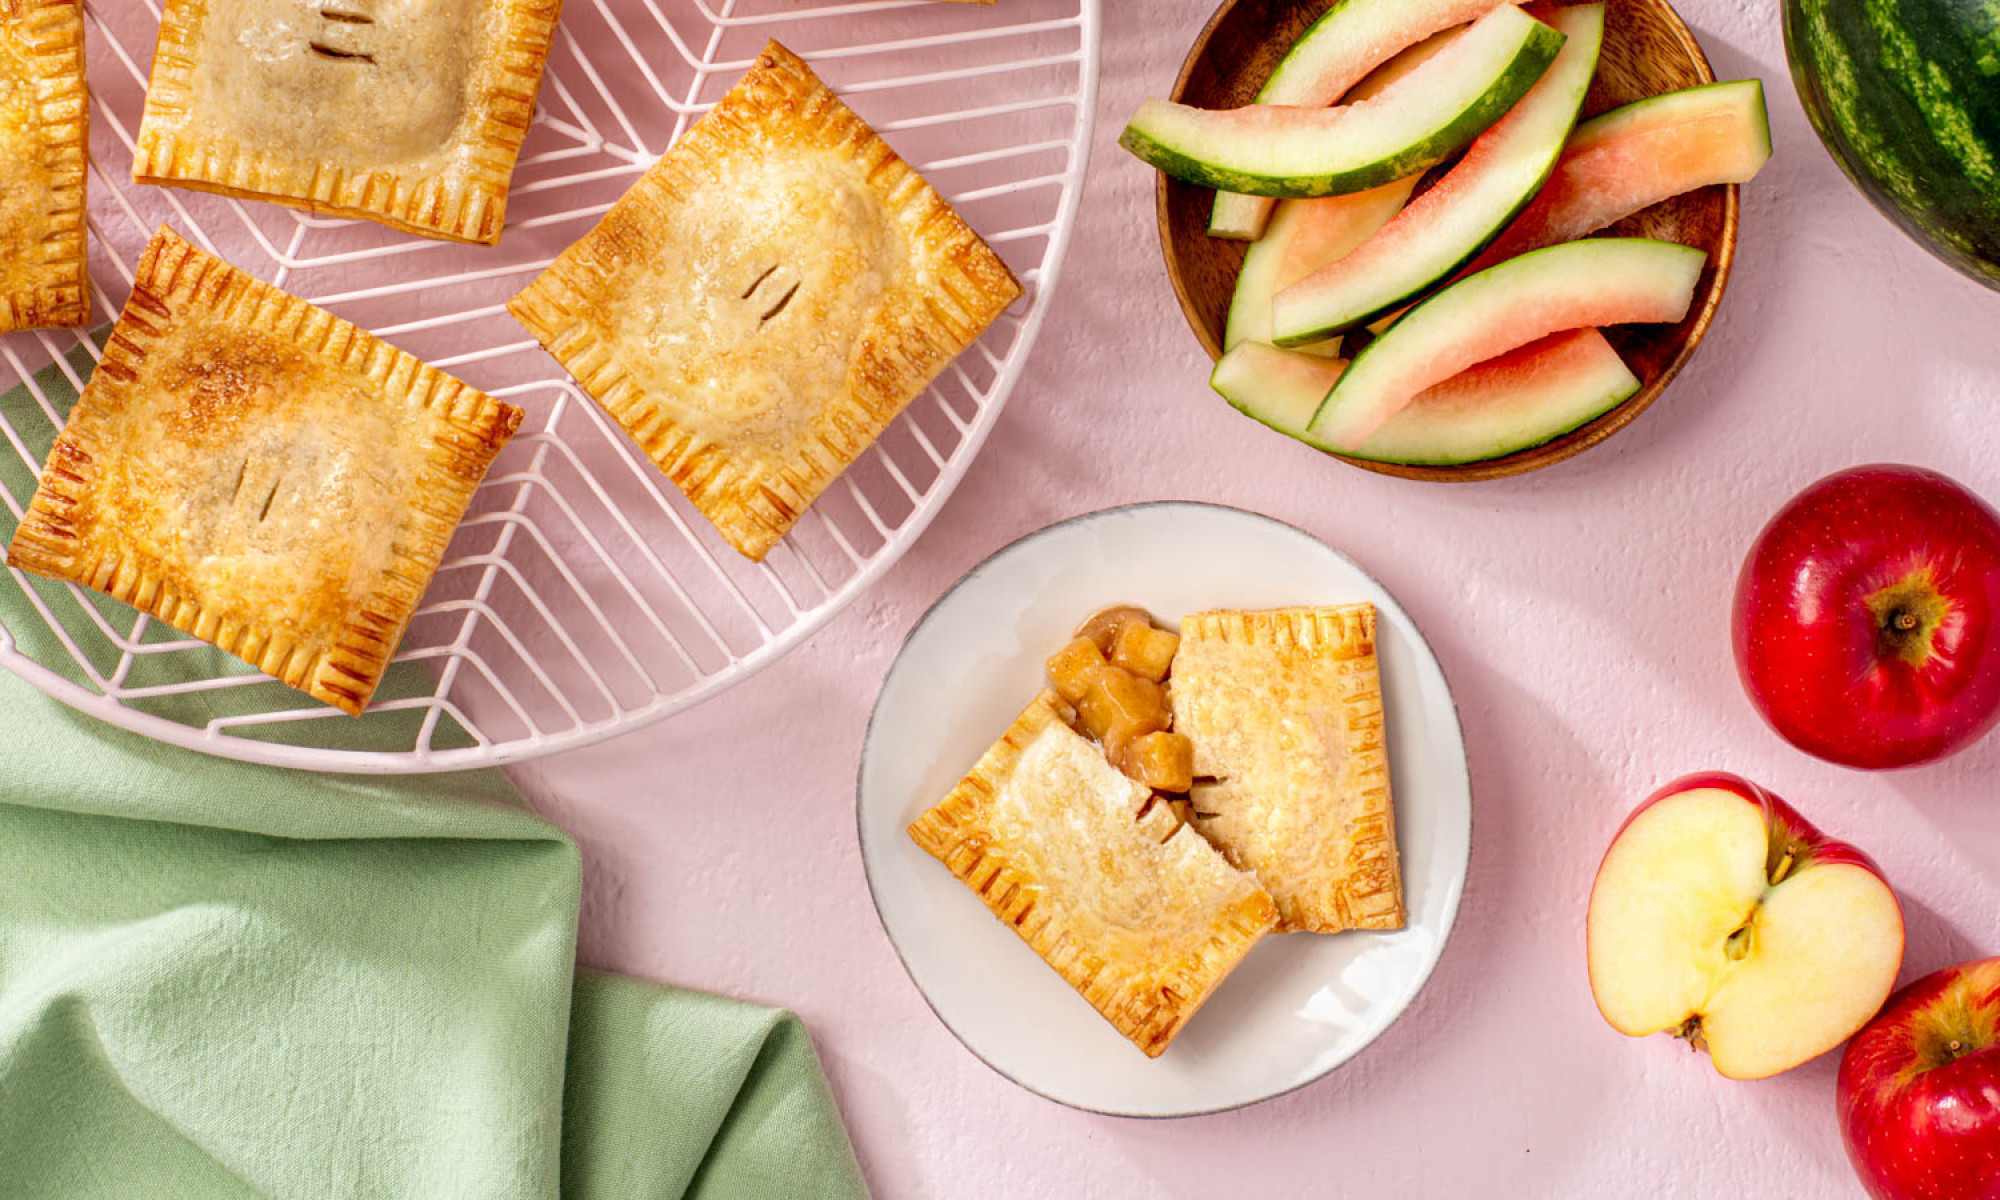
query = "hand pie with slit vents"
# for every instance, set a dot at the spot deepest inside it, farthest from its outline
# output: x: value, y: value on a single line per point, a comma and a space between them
x: 766, y: 299
x: 44, y: 161
x: 1285, y: 711
x: 260, y: 474
x: 1138, y: 914
x: 407, y: 112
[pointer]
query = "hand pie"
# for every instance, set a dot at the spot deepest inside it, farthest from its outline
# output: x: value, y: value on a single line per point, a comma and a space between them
x: 260, y: 474
x: 1137, y: 913
x: 1285, y: 711
x: 407, y: 112
x: 44, y: 145
x: 766, y: 299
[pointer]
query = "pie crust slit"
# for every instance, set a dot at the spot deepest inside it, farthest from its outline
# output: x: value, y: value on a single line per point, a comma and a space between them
x: 1285, y: 711
x: 410, y: 114
x: 260, y: 474
x: 1135, y: 911
x: 766, y: 299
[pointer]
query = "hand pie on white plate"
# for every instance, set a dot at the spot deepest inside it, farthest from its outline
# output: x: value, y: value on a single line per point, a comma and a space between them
x: 1285, y: 711
x: 1139, y: 914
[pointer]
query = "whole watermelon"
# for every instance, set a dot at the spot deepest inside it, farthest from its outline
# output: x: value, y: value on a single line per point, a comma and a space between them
x: 1906, y: 94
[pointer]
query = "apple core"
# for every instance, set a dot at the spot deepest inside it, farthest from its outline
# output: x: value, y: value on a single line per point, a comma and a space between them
x: 1908, y: 615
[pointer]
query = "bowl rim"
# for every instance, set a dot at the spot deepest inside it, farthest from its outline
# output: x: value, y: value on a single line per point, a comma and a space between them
x: 1561, y: 447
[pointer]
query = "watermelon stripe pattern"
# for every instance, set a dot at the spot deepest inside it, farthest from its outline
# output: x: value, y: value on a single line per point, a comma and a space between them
x: 1906, y: 95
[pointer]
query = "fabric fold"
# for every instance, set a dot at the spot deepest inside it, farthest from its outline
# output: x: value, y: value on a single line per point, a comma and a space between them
x: 221, y: 980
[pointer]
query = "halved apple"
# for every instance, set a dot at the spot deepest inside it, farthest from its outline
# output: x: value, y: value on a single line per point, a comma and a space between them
x: 1721, y: 915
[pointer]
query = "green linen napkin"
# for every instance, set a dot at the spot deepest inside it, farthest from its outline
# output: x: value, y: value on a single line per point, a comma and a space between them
x: 221, y: 980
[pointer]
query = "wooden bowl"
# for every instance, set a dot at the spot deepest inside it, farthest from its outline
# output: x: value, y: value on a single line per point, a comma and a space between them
x: 1647, y: 50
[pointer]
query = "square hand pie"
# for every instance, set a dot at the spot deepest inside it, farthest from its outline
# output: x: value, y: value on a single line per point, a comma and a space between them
x: 1138, y: 914
x: 44, y: 147
x: 407, y: 112
x: 1285, y: 710
x: 766, y: 299
x: 260, y: 474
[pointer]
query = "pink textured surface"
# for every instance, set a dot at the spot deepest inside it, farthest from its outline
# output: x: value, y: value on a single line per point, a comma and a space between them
x: 1582, y: 616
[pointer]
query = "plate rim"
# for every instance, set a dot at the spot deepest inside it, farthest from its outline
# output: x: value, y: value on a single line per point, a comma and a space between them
x: 1455, y: 894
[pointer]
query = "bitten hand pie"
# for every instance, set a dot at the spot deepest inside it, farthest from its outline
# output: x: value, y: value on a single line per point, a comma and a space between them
x: 1285, y: 712
x: 411, y: 114
x: 1139, y: 914
x: 260, y: 474
x: 766, y: 299
x: 44, y: 147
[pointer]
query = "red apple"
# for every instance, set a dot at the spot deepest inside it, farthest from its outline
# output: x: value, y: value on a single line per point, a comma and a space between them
x: 1721, y: 915
x: 1919, y: 1091
x: 1864, y: 618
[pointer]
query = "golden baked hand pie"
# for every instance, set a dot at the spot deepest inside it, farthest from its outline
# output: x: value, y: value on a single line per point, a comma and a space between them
x: 261, y: 474
x: 44, y: 148
x: 1285, y: 711
x: 766, y: 299
x: 1137, y: 912
x: 407, y: 112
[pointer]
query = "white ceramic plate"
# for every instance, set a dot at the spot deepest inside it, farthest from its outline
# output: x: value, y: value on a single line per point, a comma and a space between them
x: 1299, y: 1005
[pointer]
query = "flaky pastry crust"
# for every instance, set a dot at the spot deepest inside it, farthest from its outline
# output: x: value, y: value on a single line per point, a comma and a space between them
x: 766, y: 299
x: 1285, y: 711
x: 410, y: 115
x: 1141, y: 916
x: 44, y: 165
x: 258, y: 473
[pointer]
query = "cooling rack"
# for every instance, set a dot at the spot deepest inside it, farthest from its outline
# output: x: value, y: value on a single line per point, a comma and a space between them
x: 582, y: 597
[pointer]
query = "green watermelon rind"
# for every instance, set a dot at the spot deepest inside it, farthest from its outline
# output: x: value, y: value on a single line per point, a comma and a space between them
x: 1567, y: 265
x: 1297, y: 78
x: 1907, y: 99
x: 1247, y: 394
x: 1362, y: 301
x: 1199, y: 165
x: 1249, y: 316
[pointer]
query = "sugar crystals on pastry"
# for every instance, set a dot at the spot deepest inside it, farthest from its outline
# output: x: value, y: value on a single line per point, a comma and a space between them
x: 407, y: 112
x: 44, y: 146
x: 260, y: 474
x: 766, y: 299
x: 1135, y: 911
x: 1285, y: 711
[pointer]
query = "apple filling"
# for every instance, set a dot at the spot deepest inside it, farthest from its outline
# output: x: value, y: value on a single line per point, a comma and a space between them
x: 1116, y: 673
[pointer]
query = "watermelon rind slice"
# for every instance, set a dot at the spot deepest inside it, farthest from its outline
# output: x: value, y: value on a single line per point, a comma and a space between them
x: 1412, y: 125
x: 1522, y: 399
x: 1333, y: 59
x: 1304, y: 236
x: 1628, y: 159
x: 1467, y: 208
x: 1595, y: 282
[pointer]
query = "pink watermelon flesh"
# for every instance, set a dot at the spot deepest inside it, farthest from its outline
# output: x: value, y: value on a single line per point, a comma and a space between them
x: 1353, y: 60
x: 1506, y: 162
x: 1328, y: 231
x: 1614, y: 167
x: 1317, y: 76
x: 1607, y: 281
x: 1304, y: 236
x: 1511, y: 403
x: 1521, y: 399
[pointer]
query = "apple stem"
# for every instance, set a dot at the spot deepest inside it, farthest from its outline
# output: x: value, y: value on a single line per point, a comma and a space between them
x: 1784, y: 869
x: 1691, y: 1031
x: 1904, y: 620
